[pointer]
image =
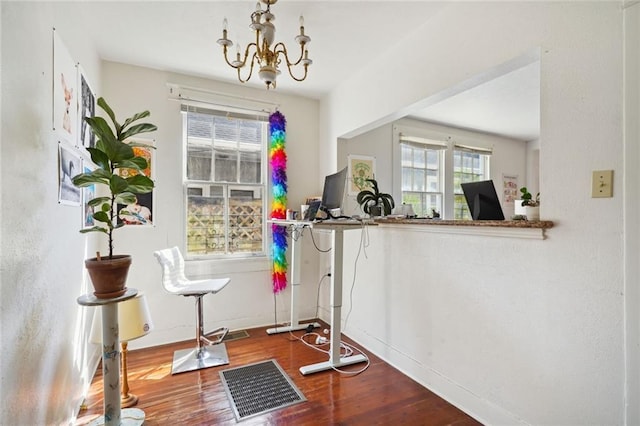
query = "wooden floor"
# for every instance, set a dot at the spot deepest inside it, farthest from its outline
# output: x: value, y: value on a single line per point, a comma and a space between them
x: 381, y: 395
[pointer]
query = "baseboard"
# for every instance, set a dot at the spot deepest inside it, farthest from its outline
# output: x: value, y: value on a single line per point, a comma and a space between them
x: 474, y: 405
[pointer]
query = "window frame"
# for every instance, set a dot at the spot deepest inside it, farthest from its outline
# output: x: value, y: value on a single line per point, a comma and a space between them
x: 263, y: 185
x: 457, y: 189
x: 438, y: 149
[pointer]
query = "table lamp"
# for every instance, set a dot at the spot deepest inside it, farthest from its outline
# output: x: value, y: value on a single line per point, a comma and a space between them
x: 134, y: 321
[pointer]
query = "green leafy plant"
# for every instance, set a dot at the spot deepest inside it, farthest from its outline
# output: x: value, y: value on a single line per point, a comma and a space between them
x: 373, y: 198
x: 110, y: 154
x: 527, y: 198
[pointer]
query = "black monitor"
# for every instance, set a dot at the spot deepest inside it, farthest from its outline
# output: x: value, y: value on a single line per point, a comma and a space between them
x: 482, y: 200
x: 333, y: 191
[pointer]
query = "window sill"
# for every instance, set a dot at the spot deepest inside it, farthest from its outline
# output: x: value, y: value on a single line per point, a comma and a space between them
x: 488, y: 228
x: 204, y: 268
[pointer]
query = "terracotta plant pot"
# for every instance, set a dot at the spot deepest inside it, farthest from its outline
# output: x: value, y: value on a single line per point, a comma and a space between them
x: 109, y: 276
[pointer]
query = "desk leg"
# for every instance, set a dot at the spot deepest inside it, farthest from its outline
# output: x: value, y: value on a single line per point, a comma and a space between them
x: 296, y: 254
x: 337, y: 237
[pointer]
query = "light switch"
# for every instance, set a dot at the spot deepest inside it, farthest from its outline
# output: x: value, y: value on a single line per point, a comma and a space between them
x: 602, y: 184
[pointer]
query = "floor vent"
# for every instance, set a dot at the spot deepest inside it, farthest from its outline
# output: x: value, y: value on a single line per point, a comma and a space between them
x: 259, y: 388
x: 235, y: 335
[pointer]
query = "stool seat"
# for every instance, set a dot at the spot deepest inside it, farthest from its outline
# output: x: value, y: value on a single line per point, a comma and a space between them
x: 195, y: 287
x: 208, y: 352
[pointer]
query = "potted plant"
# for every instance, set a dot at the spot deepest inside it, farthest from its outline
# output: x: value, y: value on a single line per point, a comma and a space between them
x: 373, y: 202
x: 111, y: 153
x: 527, y: 205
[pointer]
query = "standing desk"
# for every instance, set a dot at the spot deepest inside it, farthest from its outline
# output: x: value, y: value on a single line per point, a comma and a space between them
x: 337, y: 228
x: 296, y: 251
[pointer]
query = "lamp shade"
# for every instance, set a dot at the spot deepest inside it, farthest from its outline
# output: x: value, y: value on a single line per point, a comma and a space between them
x: 134, y: 320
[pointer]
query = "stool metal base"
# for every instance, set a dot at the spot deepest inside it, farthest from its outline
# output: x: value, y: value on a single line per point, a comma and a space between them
x: 210, y: 356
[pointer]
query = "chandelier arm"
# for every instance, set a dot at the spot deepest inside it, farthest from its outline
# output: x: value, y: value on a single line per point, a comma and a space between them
x: 246, y: 56
x: 283, y: 50
x: 296, y: 78
x: 253, y: 59
x: 289, y: 65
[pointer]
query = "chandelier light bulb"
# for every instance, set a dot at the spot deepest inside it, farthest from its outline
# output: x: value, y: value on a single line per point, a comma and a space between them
x: 225, y: 24
x: 301, y: 20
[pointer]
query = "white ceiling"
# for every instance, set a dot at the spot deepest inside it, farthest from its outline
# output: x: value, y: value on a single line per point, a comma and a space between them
x: 508, y: 105
x: 180, y: 36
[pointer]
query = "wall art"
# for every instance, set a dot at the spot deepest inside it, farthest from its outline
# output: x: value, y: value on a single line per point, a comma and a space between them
x: 139, y: 213
x: 86, y: 108
x: 361, y: 168
x: 69, y: 165
x: 65, y: 92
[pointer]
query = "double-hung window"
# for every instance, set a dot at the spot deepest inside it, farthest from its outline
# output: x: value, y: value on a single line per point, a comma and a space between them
x: 432, y: 171
x: 470, y: 164
x: 422, y: 177
x: 224, y: 180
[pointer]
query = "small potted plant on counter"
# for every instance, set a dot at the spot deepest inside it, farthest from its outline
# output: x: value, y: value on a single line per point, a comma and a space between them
x: 111, y: 153
x: 528, y: 206
x: 373, y: 202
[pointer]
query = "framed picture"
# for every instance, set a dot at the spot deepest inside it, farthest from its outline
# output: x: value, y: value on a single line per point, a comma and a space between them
x: 88, y: 194
x: 509, y: 189
x: 140, y: 212
x: 69, y: 165
x: 361, y: 168
x: 86, y: 108
x: 137, y: 213
x: 65, y: 92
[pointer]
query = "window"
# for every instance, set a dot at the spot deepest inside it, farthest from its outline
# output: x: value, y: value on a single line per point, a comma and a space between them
x: 432, y: 171
x: 421, y: 175
x: 469, y: 165
x: 225, y: 161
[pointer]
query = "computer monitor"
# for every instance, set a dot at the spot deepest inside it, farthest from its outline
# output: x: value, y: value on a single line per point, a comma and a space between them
x: 482, y: 200
x: 333, y: 191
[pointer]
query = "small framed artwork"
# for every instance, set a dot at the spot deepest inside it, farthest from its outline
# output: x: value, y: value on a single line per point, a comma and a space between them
x: 86, y: 108
x: 141, y: 211
x: 509, y: 189
x: 65, y: 92
x: 361, y: 168
x: 88, y: 194
x: 69, y: 165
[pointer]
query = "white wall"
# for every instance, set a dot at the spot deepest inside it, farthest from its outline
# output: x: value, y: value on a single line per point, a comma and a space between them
x: 375, y: 143
x: 503, y: 327
x: 248, y: 300
x: 632, y: 228
x: 45, y: 361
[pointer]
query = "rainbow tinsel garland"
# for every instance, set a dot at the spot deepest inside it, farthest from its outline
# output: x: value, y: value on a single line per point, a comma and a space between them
x: 278, y: 161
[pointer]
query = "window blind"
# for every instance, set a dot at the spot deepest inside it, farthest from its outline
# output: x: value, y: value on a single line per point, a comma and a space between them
x: 209, y: 124
x: 421, y: 143
x: 473, y: 149
x: 248, y: 115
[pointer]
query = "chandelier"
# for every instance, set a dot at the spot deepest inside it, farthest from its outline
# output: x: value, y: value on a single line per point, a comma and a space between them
x: 263, y: 52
